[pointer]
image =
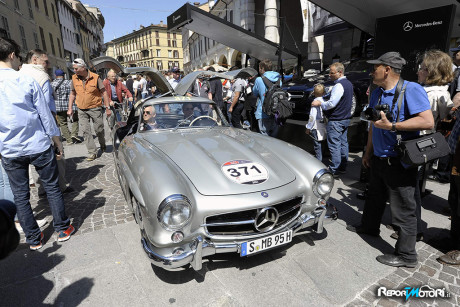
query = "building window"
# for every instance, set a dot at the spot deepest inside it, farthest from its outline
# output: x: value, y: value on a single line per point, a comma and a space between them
x: 158, y: 53
x: 31, y: 12
x: 23, y: 38
x: 169, y: 53
x: 158, y: 42
x: 54, y: 15
x: 5, y: 27
x: 174, y: 35
x: 46, y: 8
x: 170, y: 65
x: 159, y: 65
x: 169, y: 35
x: 176, y: 64
x: 59, y: 47
x: 169, y: 43
x: 157, y: 34
x: 176, y: 54
x: 52, y: 44
x: 42, y: 36
x: 37, y: 45
x: 174, y: 43
x: 16, y: 5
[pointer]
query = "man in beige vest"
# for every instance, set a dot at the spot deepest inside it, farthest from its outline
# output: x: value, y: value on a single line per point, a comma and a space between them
x: 87, y: 91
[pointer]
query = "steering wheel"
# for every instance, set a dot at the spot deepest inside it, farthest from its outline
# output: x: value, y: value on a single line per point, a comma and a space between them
x: 200, y: 118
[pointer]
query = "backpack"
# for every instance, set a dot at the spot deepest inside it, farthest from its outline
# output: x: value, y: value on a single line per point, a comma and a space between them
x: 276, y: 101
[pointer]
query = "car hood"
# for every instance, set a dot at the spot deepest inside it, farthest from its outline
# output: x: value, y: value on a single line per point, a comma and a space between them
x: 205, y: 157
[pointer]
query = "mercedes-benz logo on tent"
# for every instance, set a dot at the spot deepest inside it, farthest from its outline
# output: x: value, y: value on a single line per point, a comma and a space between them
x: 408, y: 25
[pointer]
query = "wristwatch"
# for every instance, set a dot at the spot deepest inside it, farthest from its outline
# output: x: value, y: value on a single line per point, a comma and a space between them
x: 393, y: 127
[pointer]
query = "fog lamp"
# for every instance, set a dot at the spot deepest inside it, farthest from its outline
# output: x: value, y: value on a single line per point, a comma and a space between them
x: 177, y: 237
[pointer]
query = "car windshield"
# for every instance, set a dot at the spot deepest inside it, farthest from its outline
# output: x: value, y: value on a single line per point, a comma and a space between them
x: 180, y: 115
x: 361, y: 66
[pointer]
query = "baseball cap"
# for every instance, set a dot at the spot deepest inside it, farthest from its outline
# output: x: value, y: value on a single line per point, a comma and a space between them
x: 79, y: 62
x: 392, y: 59
x: 455, y: 49
x: 58, y: 72
x: 175, y: 70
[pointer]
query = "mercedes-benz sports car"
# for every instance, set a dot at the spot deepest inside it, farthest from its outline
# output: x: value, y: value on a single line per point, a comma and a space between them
x: 199, y: 187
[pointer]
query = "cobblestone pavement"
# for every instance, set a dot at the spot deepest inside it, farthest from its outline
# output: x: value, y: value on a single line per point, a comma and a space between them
x: 427, y: 272
x: 96, y: 200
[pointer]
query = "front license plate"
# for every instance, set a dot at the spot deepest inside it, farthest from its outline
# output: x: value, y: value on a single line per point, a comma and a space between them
x: 256, y: 246
x: 293, y: 105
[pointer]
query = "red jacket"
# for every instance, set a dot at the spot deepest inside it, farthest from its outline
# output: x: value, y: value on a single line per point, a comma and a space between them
x: 119, y: 88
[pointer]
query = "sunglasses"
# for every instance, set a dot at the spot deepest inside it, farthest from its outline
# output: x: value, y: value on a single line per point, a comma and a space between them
x: 147, y: 112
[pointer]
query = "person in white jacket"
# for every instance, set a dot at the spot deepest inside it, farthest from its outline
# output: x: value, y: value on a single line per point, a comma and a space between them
x: 435, y: 74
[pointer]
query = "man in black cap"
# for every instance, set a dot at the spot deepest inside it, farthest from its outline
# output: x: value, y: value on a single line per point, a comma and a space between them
x: 387, y: 173
x: 174, y: 81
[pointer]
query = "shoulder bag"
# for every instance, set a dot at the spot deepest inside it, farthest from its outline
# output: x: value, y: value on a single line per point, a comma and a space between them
x: 420, y: 150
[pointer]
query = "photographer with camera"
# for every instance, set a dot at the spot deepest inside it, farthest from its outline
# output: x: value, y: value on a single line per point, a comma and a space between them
x: 386, y: 170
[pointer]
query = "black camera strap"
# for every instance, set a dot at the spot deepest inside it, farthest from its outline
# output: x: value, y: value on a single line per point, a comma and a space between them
x: 399, y: 90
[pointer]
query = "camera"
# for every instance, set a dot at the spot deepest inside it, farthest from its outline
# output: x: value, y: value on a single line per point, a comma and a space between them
x: 373, y: 114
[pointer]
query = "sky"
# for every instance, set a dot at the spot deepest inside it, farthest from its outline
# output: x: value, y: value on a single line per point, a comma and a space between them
x: 122, y: 17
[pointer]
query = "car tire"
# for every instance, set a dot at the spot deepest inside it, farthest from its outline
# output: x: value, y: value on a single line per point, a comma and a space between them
x: 138, y: 213
x: 354, y: 104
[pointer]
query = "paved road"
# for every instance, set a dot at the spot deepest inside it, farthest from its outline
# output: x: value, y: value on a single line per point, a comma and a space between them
x: 104, y: 264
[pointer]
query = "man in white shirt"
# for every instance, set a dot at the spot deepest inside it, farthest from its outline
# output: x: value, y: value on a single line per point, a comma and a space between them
x: 174, y: 81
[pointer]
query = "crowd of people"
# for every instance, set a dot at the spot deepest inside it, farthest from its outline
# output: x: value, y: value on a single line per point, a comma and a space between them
x: 38, y: 111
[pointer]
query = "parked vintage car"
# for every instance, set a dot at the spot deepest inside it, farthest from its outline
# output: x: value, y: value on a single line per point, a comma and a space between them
x: 199, y: 187
x: 301, y: 92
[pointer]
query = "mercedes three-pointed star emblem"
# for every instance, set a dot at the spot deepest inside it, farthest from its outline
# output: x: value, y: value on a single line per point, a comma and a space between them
x: 408, y: 25
x: 266, y: 219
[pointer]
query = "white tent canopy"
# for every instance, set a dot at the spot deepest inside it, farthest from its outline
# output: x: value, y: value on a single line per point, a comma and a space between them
x: 363, y: 13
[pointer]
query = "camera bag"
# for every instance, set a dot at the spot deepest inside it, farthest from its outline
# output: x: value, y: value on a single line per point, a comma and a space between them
x: 420, y: 150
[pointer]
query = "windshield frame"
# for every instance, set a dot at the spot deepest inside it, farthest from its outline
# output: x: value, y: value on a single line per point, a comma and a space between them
x: 176, y: 113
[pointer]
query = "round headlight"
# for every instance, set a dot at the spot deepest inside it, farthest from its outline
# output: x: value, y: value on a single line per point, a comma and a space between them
x: 323, y: 182
x: 174, y: 212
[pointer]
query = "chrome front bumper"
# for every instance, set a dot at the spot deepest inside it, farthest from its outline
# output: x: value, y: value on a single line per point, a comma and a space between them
x: 194, y: 252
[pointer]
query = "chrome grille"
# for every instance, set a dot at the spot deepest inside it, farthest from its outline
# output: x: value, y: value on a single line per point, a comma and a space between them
x: 242, y: 222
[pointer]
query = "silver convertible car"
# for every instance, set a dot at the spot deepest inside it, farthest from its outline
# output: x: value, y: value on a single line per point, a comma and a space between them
x: 199, y: 187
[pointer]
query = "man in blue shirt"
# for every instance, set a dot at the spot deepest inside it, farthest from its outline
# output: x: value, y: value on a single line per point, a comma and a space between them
x: 26, y: 129
x: 267, y: 124
x: 387, y: 173
x: 338, y: 111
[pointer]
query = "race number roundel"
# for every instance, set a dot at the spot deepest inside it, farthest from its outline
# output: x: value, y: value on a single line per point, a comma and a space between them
x: 245, y: 172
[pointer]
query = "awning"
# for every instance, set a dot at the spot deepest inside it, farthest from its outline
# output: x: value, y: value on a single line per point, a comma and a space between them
x: 226, y: 33
x: 363, y: 13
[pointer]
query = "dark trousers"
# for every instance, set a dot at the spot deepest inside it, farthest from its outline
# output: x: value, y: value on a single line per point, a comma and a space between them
x: 454, y: 203
x: 17, y: 169
x: 400, y: 182
x: 236, y: 115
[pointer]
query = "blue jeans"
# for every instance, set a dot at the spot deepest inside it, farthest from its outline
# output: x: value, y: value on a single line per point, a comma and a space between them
x: 5, y: 188
x: 317, y: 145
x: 17, y: 169
x: 268, y: 126
x: 337, y: 140
x: 229, y: 115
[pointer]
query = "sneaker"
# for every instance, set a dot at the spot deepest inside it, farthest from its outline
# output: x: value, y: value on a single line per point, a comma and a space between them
x: 246, y: 125
x: 65, y: 234
x: 91, y: 157
x: 103, y: 148
x: 39, y: 245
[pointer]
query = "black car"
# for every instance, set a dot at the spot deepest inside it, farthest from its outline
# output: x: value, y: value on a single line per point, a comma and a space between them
x: 301, y: 92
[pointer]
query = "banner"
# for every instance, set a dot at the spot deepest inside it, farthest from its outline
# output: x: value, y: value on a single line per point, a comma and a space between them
x: 304, y: 4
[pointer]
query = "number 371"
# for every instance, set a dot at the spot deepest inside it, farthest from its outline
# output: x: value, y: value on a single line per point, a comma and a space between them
x: 234, y: 172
